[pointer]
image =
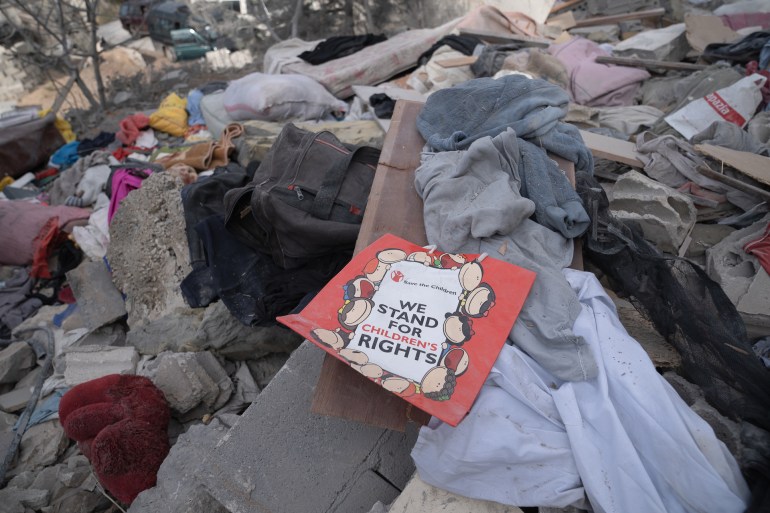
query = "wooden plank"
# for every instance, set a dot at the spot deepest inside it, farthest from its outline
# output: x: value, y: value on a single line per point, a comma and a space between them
x: 741, y: 186
x: 501, y: 38
x: 393, y: 207
x: 617, y: 18
x: 750, y: 164
x: 612, y: 149
x: 456, y: 62
x: 649, y: 63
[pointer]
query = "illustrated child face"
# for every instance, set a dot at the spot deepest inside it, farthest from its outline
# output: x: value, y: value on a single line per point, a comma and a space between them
x: 391, y: 256
x: 438, y: 384
x: 354, y: 357
x: 451, y: 261
x: 456, y: 359
x: 331, y: 338
x: 457, y: 328
x: 360, y: 287
x: 371, y: 370
x: 395, y: 384
x: 479, y: 301
x: 354, y: 313
x: 420, y: 256
x: 376, y: 273
x: 470, y: 275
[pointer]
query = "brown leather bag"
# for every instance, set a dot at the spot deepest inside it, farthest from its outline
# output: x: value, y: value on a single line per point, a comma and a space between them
x: 307, y: 198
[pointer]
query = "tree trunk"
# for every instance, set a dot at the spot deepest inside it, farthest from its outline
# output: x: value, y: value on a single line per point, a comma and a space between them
x: 91, y: 6
x: 295, y: 19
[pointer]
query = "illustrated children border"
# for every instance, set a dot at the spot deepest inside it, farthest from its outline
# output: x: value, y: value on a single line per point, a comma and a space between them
x: 448, y: 358
x: 423, y: 324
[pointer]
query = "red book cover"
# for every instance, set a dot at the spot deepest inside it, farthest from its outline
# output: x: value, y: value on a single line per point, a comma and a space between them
x: 423, y: 324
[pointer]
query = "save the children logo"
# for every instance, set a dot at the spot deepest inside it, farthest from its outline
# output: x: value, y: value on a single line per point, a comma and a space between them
x: 423, y: 324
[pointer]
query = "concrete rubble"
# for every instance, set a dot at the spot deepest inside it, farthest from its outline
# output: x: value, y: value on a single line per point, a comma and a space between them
x: 244, y: 432
x: 665, y: 215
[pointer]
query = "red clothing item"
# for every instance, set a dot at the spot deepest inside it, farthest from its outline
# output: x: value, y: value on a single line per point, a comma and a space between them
x: 120, y: 423
x: 760, y: 248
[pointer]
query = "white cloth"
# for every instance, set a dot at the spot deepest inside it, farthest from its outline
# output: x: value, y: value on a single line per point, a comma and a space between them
x: 625, y: 439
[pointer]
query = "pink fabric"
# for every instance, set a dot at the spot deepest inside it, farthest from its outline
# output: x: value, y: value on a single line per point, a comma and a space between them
x: 593, y: 84
x: 743, y: 20
x: 130, y: 127
x: 22, y: 222
x: 123, y: 182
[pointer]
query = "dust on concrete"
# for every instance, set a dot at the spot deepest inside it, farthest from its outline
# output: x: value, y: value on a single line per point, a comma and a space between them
x: 148, y: 249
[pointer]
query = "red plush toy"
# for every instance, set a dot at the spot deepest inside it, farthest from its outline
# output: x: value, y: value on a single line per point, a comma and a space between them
x: 120, y: 423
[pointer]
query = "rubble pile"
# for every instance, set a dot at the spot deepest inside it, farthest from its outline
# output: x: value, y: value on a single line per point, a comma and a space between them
x: 135, y: 256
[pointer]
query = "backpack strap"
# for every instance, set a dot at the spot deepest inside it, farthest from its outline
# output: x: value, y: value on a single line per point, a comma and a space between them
x: 330, y: 188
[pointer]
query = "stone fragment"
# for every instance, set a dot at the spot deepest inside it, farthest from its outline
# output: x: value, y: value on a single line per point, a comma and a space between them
x: 598, y: 33
x: 265, y: 368
x: 16, y: 360
x: 664, y: 214
x: 210, y: 328
x: 23, y: 480
x: 15, y: 499
x: 29, y: 380
x: 663, y: 44
x: 82, y: 501
x: 41, y: 446
x: 47, y: 479
x: 706, y: 236
x: 420, y: 497
x: 185, y: 380
x: 99, y: 302
x: 15, y: 400
x: 178, y: 489
x: 84, y: 363
x: 756, y: 300
x: 73, y: 477
x: 7, y: 421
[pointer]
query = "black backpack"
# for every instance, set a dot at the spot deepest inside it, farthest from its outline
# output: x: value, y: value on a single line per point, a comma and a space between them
x: 307, y: 198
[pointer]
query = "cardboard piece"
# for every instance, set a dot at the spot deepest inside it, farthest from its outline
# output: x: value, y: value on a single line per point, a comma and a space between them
x: 750, y: 164
x: 704, y: 30
x: 612, y: 149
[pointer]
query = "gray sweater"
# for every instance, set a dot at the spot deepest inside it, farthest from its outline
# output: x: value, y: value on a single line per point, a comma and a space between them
x: 472, y: 204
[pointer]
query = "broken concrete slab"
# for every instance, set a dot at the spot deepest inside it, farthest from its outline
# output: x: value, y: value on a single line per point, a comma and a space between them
x: 15, y: 499
x: 278, y: 443
x: 211, y: 328
x: 598, y: 33
x: 7, y: 421
x: 15, y: 400
x: 16, y: 361
x: 191, y: 379
x: 41, y: 446
x: 665, y: 215
x: 420, y: 497
x: 178, y: 487
x: 148, y: 249
x: 664, y: 44
x: 264, y: 369
x: 706, y: 236
x: 84, y: 363
x: 98, y: 300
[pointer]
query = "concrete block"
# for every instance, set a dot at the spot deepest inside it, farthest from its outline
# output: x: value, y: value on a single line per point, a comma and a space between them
x: 279, y: 447
x: 99, y: 301
x: 12, y: 498
x: 177, y: 489
x: 706, y: 236
x: 16, y: 361
x: 85, y: 363
x: 15, y: 400
x: 664, y: 214
x: 191, y: 379
x: 41, y: 446
x: 420, y: 497
x: 664, y: 44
